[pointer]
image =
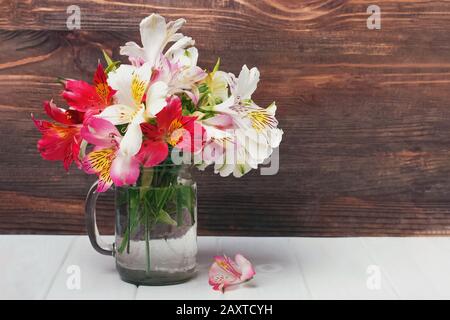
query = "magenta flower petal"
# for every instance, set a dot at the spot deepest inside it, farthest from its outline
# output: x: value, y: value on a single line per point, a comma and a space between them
x: 67, y: 117
x: 100, y: 132
x: 84, y: 97
x: 152, y: 153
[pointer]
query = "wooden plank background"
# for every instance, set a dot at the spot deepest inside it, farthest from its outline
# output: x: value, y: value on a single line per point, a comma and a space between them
x: 366, y: 113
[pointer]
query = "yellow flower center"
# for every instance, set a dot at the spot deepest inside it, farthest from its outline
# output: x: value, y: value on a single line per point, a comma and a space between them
x: 138, y: 88
x: 261, y: 120
x: 175, y: 132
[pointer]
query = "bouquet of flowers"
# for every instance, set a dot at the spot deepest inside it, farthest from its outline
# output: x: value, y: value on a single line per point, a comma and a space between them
x: 137, y: 115
x: 160, y: 108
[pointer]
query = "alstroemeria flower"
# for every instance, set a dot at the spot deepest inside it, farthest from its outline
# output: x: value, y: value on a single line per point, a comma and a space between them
x: 61, y: 140
x: 155, y: 35
x: 171, y: 128
x: 134, y: 87
x: 217, y: 82
x: 181, y: 73
x: 225, y: 272
x: 219, y: 134
x: 256, y: 128
x: 106, y: 160
x: 90, y: 99
x: 245, y: 113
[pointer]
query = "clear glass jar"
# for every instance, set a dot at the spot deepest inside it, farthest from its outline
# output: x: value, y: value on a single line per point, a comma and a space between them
x: 156, y: 229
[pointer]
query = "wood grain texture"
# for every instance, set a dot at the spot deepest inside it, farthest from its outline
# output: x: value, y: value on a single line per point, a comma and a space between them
x: 366, y: 113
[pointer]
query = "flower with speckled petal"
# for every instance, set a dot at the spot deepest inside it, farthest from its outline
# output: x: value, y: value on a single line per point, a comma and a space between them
x: 106, y: 159
x: 225, y: 272
x: 137, y: 99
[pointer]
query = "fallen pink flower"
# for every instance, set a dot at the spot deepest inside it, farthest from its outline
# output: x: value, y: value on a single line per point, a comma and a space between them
x: 225, y: 272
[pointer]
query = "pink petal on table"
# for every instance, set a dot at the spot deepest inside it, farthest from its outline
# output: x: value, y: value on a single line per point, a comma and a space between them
x: 245, y: 266
x: 225, y: 272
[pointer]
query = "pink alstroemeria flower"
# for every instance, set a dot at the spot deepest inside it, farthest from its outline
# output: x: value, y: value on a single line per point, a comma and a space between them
x: 225, y: 272
x: 106, y: 160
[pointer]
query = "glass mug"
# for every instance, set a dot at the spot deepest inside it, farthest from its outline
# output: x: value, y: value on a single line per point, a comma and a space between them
x: 155, y: 229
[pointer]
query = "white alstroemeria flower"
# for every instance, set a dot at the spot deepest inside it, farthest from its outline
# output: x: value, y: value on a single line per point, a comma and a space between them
x: 255, y: 129
x: 217, y: 82
x: 218, y: 86
x: 132, y: 83
x: 181, y: 73
x: 217, y: 140
x: 155, y: 35
x: 246, y: 114
x: 232, y: 151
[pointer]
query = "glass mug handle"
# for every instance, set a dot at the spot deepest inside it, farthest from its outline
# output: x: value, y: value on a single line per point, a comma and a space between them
x: 91, y: 224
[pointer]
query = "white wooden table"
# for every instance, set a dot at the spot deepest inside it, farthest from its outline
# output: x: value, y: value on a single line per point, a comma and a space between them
x: 39, y: 267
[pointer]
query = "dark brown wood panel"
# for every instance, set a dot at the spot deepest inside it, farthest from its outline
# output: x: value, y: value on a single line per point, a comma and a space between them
x: 366, y: 113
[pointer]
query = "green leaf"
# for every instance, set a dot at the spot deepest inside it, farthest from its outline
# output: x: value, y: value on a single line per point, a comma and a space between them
x: 164, y: 217
x: 192, y: 204
x: 203, y: 88
x: 146, y: 177
x: 124, y: 242
x: 61, y: 80
x: 112, y: 65
x: 108, y: 59
x: 216, y: 67
x: 185, y: 198
x: 188, y: 105
x: 160, y: 198
x: 133, y: 218
x: 179, y: 207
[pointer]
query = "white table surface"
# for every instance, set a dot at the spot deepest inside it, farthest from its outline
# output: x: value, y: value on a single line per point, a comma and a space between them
x: 38, y: 267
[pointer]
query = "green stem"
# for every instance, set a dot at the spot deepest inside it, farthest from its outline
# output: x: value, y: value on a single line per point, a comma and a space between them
x: 146, y: 179
x: 161, y: 177
x: 147, y: 242
x: 128, y: 232
x: 124, y: 242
